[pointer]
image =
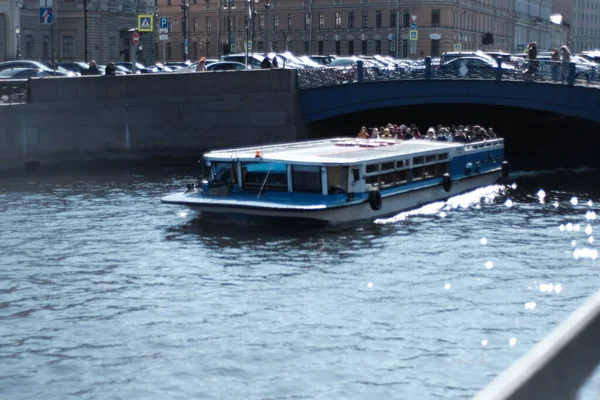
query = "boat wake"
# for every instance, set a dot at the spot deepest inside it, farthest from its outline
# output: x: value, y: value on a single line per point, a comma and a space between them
x: 465, y: 200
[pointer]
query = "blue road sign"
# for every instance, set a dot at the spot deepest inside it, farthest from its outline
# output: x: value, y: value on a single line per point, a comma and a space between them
x: 45, y: 15
x: 164, y: 22
x: 413, y: 26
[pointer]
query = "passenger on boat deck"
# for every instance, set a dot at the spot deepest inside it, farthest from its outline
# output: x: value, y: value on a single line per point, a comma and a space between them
x: 375, y: 133
x: 430, y: 134
x: 363, y: 134
x: 387, y: 134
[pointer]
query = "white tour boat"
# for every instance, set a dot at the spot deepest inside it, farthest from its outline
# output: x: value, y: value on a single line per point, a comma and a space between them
x: 341, y: 179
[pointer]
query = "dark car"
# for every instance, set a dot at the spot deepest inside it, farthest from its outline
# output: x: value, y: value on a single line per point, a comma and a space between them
x: 226, y: 66
x: 21, y: 73
x: 473, y: 67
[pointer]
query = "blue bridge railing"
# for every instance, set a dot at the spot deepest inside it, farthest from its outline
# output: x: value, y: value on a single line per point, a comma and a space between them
x: 542, y: 71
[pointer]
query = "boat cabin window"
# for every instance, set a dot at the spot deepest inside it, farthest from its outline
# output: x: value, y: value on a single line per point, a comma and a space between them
x: 337, y: 180
x: 306, y: 178
x: 443, y: 156
x: 223, y: 172
x: 418, y: 160
x: 372, y: 168
x: 388, y: 166
x: 264, y: 176
x: 431, y: 158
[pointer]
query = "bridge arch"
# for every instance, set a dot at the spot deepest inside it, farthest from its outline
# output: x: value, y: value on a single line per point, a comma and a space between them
x: 327, y: 102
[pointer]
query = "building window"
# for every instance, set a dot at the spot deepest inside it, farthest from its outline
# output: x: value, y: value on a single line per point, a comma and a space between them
x: 378, y: 19
x: 29, y: 46
x: 364, y: 47
x: 169, y: 51
x: 261, y: 47
x: 208, y: 24
x: 261, y: 22
x: 45, y: 47
x: 306, y: 47
x: 290, y: 21
x: 338, y: 49
x: 351, y: 47
x: 406, y: 19
x: 275, y: 22
x: 404, y: 48
x: 67, y: 47
x: 338, y: 20
x: 321, y: 21
x: 112, y: 48
x: 378, y: 47
x: 393, y: 18
x: 195, y: 24
x: 365, y: 19
x: 350, y: 19
x: 195, y: 50
x: 275, y: 46
x: 435, y: 17
x: 306, y: 21
x: 435, y: 48
x: 168, y: 2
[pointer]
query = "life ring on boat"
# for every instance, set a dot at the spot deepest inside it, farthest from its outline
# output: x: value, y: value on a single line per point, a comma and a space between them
x: 447, y: 183
x: 375, y: 200
x: 505, y: 169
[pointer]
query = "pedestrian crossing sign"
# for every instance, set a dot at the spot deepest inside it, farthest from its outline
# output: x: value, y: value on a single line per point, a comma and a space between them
x: 145, y: 22
x: 414, y: 34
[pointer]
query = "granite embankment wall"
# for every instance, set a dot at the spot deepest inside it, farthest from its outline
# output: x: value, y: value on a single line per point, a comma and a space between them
x: 141, y: 116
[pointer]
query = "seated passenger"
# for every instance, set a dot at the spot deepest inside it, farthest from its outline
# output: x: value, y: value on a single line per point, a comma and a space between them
x: 387, y: 134
x: 363, y: 134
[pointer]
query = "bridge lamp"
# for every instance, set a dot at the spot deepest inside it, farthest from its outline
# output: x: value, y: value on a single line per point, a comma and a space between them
x: 229, y: 5
x: 18, y: 33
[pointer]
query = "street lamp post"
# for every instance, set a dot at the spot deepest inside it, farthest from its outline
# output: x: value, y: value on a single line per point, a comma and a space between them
x: 18, y: 33
x: 397, y: 29
x: 185, y: 6
x: 252, y: 15
x: 229, y: 4
x: 267, y: 6
x: 85, y: 30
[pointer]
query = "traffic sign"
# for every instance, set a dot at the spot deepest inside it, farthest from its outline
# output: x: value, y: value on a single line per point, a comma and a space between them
x: 391, y: 36
x: 164, y: 23
x: 457, y: 47
x: 136, y: 38
x: 233, y: 48
x: 45, y: 15
x: 164, y: 37
x: 414, y: 34
x: 145, y: 22
x: 249, y: 45
x: 392, y: 45
x: 413, y: 26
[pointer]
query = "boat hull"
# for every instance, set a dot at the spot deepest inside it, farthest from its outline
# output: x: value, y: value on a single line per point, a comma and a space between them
x: 391, y: 203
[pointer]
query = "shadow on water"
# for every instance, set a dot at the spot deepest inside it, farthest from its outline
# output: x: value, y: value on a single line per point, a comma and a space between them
x: 215, y: 230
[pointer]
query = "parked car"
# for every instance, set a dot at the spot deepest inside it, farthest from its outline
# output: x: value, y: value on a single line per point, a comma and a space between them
x: 21, y: 73
x: 254, y: 60
x: 59, y: 71
x: 226, y: 66
x: 129, y: 66
x: 75, y: 66
x: 477, y: 66
x: 321, y: 60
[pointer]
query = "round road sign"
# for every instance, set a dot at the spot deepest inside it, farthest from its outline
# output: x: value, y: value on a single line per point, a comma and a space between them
x: 136, y: 38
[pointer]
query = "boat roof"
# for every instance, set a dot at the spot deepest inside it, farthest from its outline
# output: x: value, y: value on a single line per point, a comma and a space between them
x: 333, y: 151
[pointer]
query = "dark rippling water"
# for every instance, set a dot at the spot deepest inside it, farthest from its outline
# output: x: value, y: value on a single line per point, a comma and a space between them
x: 107, y: 294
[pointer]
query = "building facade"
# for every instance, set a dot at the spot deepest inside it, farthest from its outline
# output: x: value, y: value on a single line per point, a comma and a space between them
x: 9, y: 29
x: 109, y: 31
x: 583, y: 16
x: 354, y: 27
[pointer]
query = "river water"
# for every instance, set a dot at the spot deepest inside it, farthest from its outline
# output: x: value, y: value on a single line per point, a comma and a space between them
x: 106, y: 293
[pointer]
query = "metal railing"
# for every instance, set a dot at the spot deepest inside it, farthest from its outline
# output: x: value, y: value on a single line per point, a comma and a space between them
x: 557, y: 367
x: 14, y: 91
x: 542, y: 71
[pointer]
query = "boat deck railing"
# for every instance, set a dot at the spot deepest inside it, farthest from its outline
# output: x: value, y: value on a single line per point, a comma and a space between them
x: 558, y: 366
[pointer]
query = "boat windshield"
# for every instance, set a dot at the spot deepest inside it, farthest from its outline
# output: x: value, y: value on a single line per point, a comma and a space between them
x: 223, y: 172
x: 264, y: 176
